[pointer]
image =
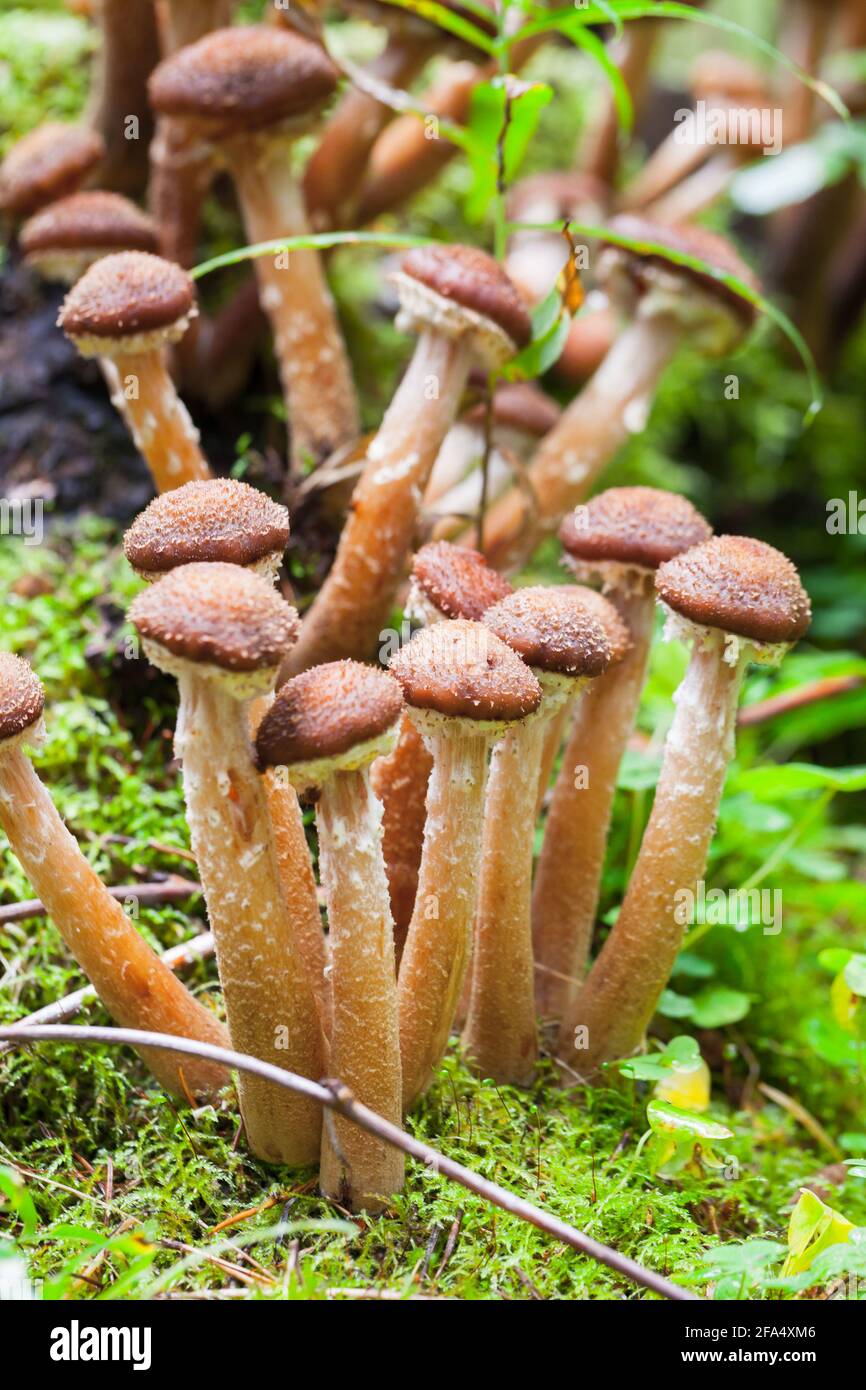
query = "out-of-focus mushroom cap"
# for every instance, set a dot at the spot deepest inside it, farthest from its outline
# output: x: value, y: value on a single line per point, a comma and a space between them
x: 640, y: 526
x: 50, y: 162
x: 327, y: 712
x: 470, y: 280
x: 89, y: 221
x: 22, y: 698
x: 217, y: 614
x: 463, y: 670
x: 716, y: 72
x: 557, y: 194
x: 126, y: 296
x: 740, y: 585
x: 244, y: 79
x: 457, y: 581
x: 519, y: 405
x: 553, y: 629
x: 215, y: 521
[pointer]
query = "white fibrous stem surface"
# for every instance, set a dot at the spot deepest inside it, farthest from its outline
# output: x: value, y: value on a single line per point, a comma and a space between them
x: 568, y: 877
x: 621, y: 992
x: 159, y: 421
x: 360, y: 1170
x: 269, y: 1003
x: 437, y: 950
x: 136, y: 987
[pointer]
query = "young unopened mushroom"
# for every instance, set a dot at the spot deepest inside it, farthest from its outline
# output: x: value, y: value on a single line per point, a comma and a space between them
x: 250, y: 92
x: 736, y: 600
x: 136, y: 987
x: 617, y: 540
x: 555, y: 633
x: 62, y: 240
x: 128, y: 308
x: 227, y: 522
x: 324, y: 729
x: 665, y: 304
x: 222, y: 631
x: 467, y: 312
x: 463, y: 687
x: 52, y: 161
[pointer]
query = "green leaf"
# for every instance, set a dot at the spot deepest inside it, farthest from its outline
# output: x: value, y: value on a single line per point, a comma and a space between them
x: 493, y: 103
x: 674, y: 1005
x: 451, y: 20
x: 714, y: 1006
x: 813, y: 1228
x: 855, y: 975
x: 319, y: 241
x: 665, y: 1118
x: 794, y: 778
x: 834, y: 959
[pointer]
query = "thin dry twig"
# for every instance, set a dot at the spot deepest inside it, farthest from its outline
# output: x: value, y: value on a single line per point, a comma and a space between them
x: 337, y: 1097
x: 171, y: 889
x: 811, y: 693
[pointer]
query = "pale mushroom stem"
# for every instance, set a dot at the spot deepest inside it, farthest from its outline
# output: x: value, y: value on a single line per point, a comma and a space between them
x: 694, y: 195
x: 568, y: 876
x: 119, y: 107
x: 158, y: 419
x: 314, y: 365
x: 633, y: 56
x: 399, y: 780
x: 669, y: 164
x: 436, y: 955
x: 355, y: 602
x: 501, y: 1033
x: 361, y: 1170
x: 181, y: 173
x: 612, y: 407
x: 270, y: 1007
x: 612, y: 1010
x: 136, y: 987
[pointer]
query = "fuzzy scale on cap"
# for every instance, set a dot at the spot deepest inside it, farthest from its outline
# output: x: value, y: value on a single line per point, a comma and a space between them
x: 328, y: 711
x: 50, y: 162
x: 127, y: 295
x: 472, y: 280
x: 90, y: 221
x: 641, y: 526
x: 217, y: 614
x: 463, y: 670
x: 457, y: 581
x: 739, y: 585
x: 552, y: 629
x: 615, y: 630
x: 217, y: 520
x: 243, y: 79
x: 22, y: 698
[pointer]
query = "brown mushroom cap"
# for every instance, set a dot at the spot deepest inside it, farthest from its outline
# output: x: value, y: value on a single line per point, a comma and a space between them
x: 552, y: 629
x: 687, y: 240
x: 125, y: 295
x: 217, y: 614
x: 327, y: 711
x: 218, y: 520
x: 457, y: 581
x: 243, y: 79
x: 90, y: 221
x: 50, y: 162
x: 615, y: 630
x: 472, y: 280
x: 740, y: 585
x: 640, y: 526
x: 716, y: 72
x: 519, y: 405
x: 22, y: 698
x: 463, y: 670
x: 555, y: 195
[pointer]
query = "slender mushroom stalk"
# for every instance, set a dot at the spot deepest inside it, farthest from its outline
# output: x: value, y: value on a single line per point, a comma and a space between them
x: 221, y: 630
x: 136, y: 987
x: 564, y: 645
x: 50, y: 162
x: 463, y: 687
x: 119, y: 109
x: 737, y: 600
x: 323, y: 730
x: 128, y: 308
x: 467, y: 312
x: 633, y: 55
x: 666, y: 304
x: 808, y: 26
x: 617, y: 540
x: 447, y: 582
x: 64, y: 239
x: 251, y: 92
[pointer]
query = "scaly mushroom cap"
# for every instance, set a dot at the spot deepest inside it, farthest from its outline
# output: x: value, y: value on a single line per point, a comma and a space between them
x: 215, y: 521
x: 218, y: 615
x: 738, y: 584
x: 89, y: 222
x: 329, y: 719
x: 632, y: 526
x: 459, y: 288
x: 50, y: 162
x: 644, y: 271
x: 553, y: 630
x: 615, y: 630
x: 22, y: 698
x: 243, y: 79
x: 463, y: 670
x: 129, y: 296
x: 521, y: 406
x: 458, y: 582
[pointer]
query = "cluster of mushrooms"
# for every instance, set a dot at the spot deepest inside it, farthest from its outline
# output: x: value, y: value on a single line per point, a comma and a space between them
x: 429, y: 771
